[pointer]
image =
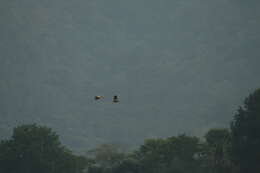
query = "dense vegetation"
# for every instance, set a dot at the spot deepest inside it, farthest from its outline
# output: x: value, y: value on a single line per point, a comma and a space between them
x: 34, y: 148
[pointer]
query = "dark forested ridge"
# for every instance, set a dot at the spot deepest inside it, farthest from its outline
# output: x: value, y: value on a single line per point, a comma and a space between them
x: 33, y: 148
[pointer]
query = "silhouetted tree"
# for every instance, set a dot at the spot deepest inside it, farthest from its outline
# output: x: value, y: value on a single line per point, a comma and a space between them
x: 106, y: 158
x: 35, y: 148
x: 175, y: 154
x: 217, y: 148
x: 245, y: 130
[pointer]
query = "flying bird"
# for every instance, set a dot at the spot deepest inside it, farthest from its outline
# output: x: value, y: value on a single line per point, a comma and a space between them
x: 115, y: 99
x: 98, y: 97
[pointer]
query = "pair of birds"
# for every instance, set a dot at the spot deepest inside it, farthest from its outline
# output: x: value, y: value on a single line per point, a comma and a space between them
x: 115, y: 98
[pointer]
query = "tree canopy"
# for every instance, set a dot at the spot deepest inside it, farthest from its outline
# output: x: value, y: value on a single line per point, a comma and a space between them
x: 34, y: 148
x: 246, y: 134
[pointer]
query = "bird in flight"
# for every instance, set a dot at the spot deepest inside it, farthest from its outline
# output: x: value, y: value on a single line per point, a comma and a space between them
x: 98, y: 97
x: 115, y: 99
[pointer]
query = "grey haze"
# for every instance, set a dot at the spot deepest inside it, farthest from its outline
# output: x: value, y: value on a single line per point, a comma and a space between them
x: 178, y: 66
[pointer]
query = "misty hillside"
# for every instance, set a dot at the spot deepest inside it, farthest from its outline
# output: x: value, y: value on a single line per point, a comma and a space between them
x: 177, y: 66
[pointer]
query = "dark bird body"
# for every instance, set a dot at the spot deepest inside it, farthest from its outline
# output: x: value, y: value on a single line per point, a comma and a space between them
x: 115, y: 99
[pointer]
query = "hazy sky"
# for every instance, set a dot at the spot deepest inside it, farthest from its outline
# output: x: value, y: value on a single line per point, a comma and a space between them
x: 177, y: 66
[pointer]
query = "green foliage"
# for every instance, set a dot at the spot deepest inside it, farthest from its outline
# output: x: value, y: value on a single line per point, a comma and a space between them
x: 246, y: 134
x: 224, y: 151
x: 35, y: 148
x: 217, y: 137
x: 174, y: 154
x: 128, y: 165
x: 107, y: 159
x: 107, y: 155
x: 217, y: 148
